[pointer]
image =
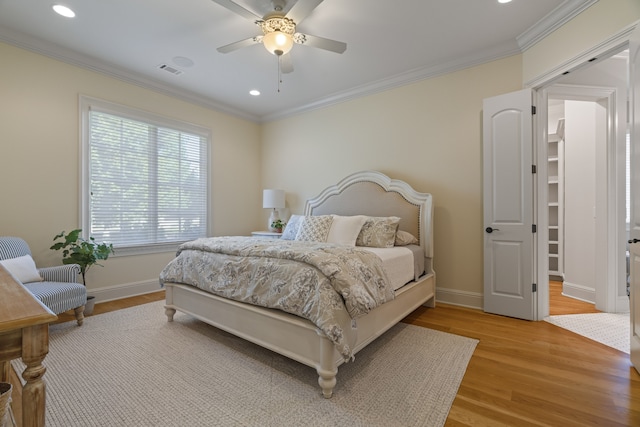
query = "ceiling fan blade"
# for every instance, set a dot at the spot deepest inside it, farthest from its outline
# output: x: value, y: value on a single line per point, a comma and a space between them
x: 236, y: 8
x: 302, y: 9
x: 320, y: 42
x: 286, y: 64
x: 238, y: 45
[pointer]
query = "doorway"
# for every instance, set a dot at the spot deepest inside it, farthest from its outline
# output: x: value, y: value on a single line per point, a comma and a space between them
x: 596, y: 232
x: 506, y: 120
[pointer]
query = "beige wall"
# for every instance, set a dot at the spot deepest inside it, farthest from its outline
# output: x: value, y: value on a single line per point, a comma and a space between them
x: 39, y: 158
x: 427, y: 133
x: 597, y: 24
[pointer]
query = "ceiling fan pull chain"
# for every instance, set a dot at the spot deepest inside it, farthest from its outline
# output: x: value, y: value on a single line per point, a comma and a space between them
x: 279, y: 73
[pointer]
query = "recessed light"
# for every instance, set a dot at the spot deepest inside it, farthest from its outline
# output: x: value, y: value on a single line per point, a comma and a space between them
x: 63, y: 11
x: 254, y: 92
x: 504, y: 1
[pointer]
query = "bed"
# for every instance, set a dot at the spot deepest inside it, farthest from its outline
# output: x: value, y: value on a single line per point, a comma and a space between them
x: 369, y: 194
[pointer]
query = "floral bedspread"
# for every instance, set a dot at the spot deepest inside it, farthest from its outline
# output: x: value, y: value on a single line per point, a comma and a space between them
x: 327, y: 284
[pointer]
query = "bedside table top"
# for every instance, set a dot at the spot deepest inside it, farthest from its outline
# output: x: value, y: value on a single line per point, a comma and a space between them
x: 266, y: 234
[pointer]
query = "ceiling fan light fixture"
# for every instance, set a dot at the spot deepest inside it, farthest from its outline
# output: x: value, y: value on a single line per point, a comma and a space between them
x: 278, y: 43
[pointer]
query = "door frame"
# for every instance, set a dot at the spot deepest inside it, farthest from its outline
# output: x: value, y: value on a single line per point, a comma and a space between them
x: 609, y: 246
x: 614, y: 45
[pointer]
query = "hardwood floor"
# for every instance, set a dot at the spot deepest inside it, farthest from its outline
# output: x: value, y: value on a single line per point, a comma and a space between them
x: 522, y: 373
x: 108, y: 306
x: 560, y: 304
x: 535, y: 374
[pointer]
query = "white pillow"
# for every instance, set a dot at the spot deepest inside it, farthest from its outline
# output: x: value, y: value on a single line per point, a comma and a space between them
x: 314, y: 228
x: 345, y: 229
x: 22, y: 268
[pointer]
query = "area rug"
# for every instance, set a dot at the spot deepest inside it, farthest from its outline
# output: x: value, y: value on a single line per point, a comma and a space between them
x: 133, y: 368
x: 610, y: 329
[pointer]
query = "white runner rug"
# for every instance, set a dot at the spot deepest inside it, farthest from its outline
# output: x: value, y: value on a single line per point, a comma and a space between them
x: 610, y: 329
x: 133, y: 368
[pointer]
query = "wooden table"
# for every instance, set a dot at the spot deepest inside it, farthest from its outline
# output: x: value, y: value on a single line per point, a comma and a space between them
x: 24, y: 332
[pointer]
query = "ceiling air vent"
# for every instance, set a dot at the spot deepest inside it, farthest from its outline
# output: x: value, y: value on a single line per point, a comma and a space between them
x: 170, y: 69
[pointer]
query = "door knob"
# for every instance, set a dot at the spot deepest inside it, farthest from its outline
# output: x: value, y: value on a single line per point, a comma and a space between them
x: 634, y: 241
x: 491, y: 230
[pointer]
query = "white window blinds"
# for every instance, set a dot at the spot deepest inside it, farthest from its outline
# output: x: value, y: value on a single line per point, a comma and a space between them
x: 147, y: 180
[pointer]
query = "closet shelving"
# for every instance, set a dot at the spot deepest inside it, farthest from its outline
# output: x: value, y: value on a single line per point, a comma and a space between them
x: 555, y: 174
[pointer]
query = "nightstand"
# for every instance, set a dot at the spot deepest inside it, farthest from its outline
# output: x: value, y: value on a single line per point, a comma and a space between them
x: 266, y: 234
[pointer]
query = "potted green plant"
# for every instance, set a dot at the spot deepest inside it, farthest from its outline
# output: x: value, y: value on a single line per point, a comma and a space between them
x: 85, y: 253
x: 278, y: 225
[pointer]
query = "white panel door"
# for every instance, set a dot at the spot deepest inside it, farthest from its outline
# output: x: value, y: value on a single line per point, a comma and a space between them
x: 508, y: 205
x: 634, y: 243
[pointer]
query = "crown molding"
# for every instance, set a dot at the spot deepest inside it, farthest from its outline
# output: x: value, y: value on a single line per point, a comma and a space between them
x: 607, y: 48
x: 556, y: 18
x: 552, y: 21
x: 68, y: 56
x: 402, y: 79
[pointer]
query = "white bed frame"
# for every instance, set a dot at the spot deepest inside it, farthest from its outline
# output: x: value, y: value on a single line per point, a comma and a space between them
x: 369, y: 193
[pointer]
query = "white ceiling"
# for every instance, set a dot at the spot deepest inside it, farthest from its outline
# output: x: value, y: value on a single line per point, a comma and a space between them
x: 389, y: 43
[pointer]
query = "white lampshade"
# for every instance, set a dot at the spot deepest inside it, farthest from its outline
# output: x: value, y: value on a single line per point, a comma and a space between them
x: 277, y: 42
x: 273, y: 199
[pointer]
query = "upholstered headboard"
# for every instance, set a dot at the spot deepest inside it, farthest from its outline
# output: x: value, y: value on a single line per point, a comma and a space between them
x: 375, y: 194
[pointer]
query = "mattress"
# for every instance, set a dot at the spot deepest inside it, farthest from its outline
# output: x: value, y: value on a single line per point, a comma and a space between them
x: 398, y: 263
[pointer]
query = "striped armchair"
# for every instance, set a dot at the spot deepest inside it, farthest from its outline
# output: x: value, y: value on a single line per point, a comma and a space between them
x: 59, y: 290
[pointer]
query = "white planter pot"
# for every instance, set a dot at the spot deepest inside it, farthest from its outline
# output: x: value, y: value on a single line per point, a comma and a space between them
x: 88, y: 307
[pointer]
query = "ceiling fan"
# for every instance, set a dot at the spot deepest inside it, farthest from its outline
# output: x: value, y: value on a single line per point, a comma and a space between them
x: 279, y: 30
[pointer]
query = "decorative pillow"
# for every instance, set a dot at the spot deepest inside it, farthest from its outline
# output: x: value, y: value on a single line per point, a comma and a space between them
x: 404, y: 238
x: 378, y: 232
x: 291, y: 229
x: 314, y: 228
x: 22, y: 268
x: 345, y: 229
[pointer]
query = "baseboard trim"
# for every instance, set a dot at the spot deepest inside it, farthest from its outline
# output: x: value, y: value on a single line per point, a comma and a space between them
x: 579, y: 292
x: 622, y: 304
x: 461, y: 298
x: 125, y: 290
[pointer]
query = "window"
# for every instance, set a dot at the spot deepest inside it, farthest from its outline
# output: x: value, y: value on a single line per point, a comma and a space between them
x: 145, y: 178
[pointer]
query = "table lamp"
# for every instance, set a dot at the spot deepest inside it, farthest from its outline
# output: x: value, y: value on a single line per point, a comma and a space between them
x: 274, y: 200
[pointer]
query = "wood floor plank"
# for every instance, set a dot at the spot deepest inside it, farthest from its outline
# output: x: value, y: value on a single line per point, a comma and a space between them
x: 470, y: 412
x: 506, y: 412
